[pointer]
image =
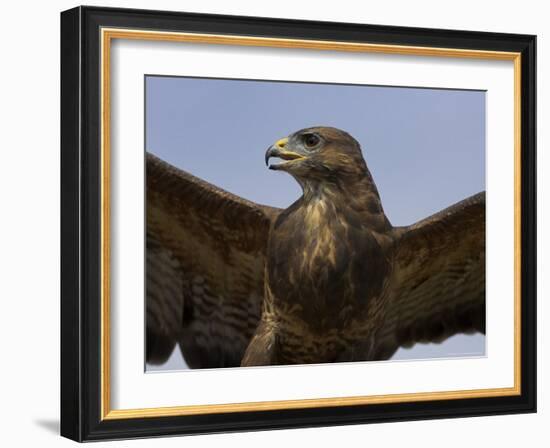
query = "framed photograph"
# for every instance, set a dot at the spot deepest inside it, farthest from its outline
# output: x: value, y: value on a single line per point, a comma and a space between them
x: 272, y: 223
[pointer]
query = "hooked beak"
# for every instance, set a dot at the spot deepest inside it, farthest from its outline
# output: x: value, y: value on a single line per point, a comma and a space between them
x: 278, y: 150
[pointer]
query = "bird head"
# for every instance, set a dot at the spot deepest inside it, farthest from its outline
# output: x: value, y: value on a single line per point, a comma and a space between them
x: 318, y: 155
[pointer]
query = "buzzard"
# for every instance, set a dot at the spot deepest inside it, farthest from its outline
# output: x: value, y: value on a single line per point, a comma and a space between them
x: 328, y: 279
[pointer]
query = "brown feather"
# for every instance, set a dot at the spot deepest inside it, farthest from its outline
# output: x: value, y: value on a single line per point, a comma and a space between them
x: 438, y: 283
x: 205, y: 264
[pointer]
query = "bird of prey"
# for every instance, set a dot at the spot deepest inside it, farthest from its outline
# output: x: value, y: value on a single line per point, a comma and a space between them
x: 329, y: 279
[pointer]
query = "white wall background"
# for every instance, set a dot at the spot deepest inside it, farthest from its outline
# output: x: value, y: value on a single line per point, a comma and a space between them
x: 29, y: 228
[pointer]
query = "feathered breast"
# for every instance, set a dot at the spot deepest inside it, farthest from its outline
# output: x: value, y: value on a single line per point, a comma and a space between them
x: 317, y: 259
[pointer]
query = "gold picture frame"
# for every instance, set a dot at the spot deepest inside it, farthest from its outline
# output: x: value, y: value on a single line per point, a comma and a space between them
x: 120, y: 25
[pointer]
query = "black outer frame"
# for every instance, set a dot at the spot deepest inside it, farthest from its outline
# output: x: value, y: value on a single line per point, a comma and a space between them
x: 80, y: 223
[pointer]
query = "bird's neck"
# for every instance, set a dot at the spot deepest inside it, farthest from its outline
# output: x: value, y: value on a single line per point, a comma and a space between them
x: 355, y: 194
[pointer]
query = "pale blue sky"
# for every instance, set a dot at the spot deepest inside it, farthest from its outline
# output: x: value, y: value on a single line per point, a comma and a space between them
x: 424, y: 147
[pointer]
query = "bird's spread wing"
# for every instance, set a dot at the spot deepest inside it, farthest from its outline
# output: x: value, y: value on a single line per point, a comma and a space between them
x: 438, y: 283
x: 204, y: 268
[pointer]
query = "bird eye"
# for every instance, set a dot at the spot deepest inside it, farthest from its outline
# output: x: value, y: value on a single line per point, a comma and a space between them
x: 311, y: 140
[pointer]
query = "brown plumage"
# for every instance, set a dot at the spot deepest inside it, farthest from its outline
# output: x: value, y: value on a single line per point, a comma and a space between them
x: 327, y: 279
